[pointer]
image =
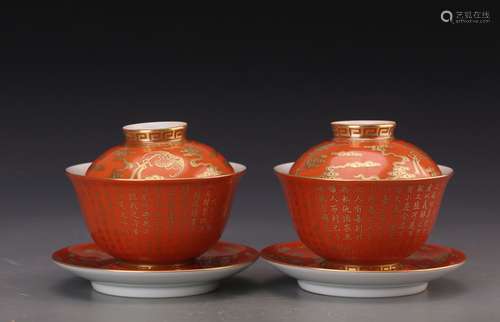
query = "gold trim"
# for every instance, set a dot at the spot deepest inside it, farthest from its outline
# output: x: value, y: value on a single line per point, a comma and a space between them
x: 154, y: 271
x: 264, y: 256
x: 174, y: 134
x: 330, y: 172
x: 371, y: 272
x: 234, y: 174
x: 362, y: 268
x: 176, y: 270
x: 363, y: 129
x: 155, y: 267
x: 158, y: 159
x: 287, y: 174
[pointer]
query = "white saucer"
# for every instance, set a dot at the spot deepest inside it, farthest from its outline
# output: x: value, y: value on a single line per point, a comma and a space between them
x: 111, y: 276
x: 316, y: 275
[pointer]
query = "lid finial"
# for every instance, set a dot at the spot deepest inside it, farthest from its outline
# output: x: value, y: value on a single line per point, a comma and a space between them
x: 363, y: 129
x: 154, y: 132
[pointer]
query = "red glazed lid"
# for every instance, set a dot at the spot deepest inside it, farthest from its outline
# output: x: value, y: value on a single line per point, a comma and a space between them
x: 365, y: 150
x: 156, y: 151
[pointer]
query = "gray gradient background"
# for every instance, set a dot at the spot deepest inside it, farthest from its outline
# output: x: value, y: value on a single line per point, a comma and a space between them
x: 260, y: 90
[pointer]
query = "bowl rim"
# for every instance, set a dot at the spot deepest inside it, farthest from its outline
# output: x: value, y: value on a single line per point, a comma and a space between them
x: 238, y: 168
x: 154, y: 126
x: 288, y: 165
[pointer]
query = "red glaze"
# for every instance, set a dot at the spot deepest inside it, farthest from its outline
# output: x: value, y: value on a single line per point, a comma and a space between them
x: 426, y: 257
x: 157, y: 151
x: 155, y: 221
x: 222, y: 254
x: 363, y: 222
x: 365, y: 150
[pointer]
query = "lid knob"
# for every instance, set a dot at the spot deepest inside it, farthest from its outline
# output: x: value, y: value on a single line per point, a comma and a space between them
x: 363, y: 129
x: 154, y: 132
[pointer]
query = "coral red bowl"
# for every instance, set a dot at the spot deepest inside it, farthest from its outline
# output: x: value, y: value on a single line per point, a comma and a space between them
x: 155, y: 221
x: 363, y: 222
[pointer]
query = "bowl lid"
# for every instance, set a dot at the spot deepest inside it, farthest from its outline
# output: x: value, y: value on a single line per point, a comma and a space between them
x: 365, y: 150
x: 158, y: 151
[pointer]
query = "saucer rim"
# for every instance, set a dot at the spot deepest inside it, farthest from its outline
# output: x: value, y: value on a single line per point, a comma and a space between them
x: 446, y: 267
x: 256, y: 256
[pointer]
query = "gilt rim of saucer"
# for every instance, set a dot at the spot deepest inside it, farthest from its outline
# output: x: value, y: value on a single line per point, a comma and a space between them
x: 175, y: 270
x: 265, y: 257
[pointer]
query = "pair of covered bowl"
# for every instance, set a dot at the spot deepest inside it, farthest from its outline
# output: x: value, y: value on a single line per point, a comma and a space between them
x: 362, y: 198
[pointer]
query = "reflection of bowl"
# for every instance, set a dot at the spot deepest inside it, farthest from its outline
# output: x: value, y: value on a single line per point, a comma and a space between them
x: 363, y: 222
x: 155, y: 221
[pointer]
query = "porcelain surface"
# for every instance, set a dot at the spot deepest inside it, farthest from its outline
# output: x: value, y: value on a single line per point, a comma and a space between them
x: 111, y: 276
x: 159, y: 151
x: 365, y: 150
x: 316, y: 275
x: 155, y: 221
x: 363, y: 221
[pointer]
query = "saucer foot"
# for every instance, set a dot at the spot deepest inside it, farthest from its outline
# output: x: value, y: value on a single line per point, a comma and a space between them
x: 361, y: 290
x: 153, y: 291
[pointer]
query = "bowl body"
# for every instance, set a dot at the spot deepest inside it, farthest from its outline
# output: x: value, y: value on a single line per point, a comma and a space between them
x: 155, y: 221
x: 363, y: 222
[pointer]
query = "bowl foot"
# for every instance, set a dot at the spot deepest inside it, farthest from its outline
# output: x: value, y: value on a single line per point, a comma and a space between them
x: 360, y: 268
x: 153, y: 267
x: 153, y: 291
x: 361, y: 290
